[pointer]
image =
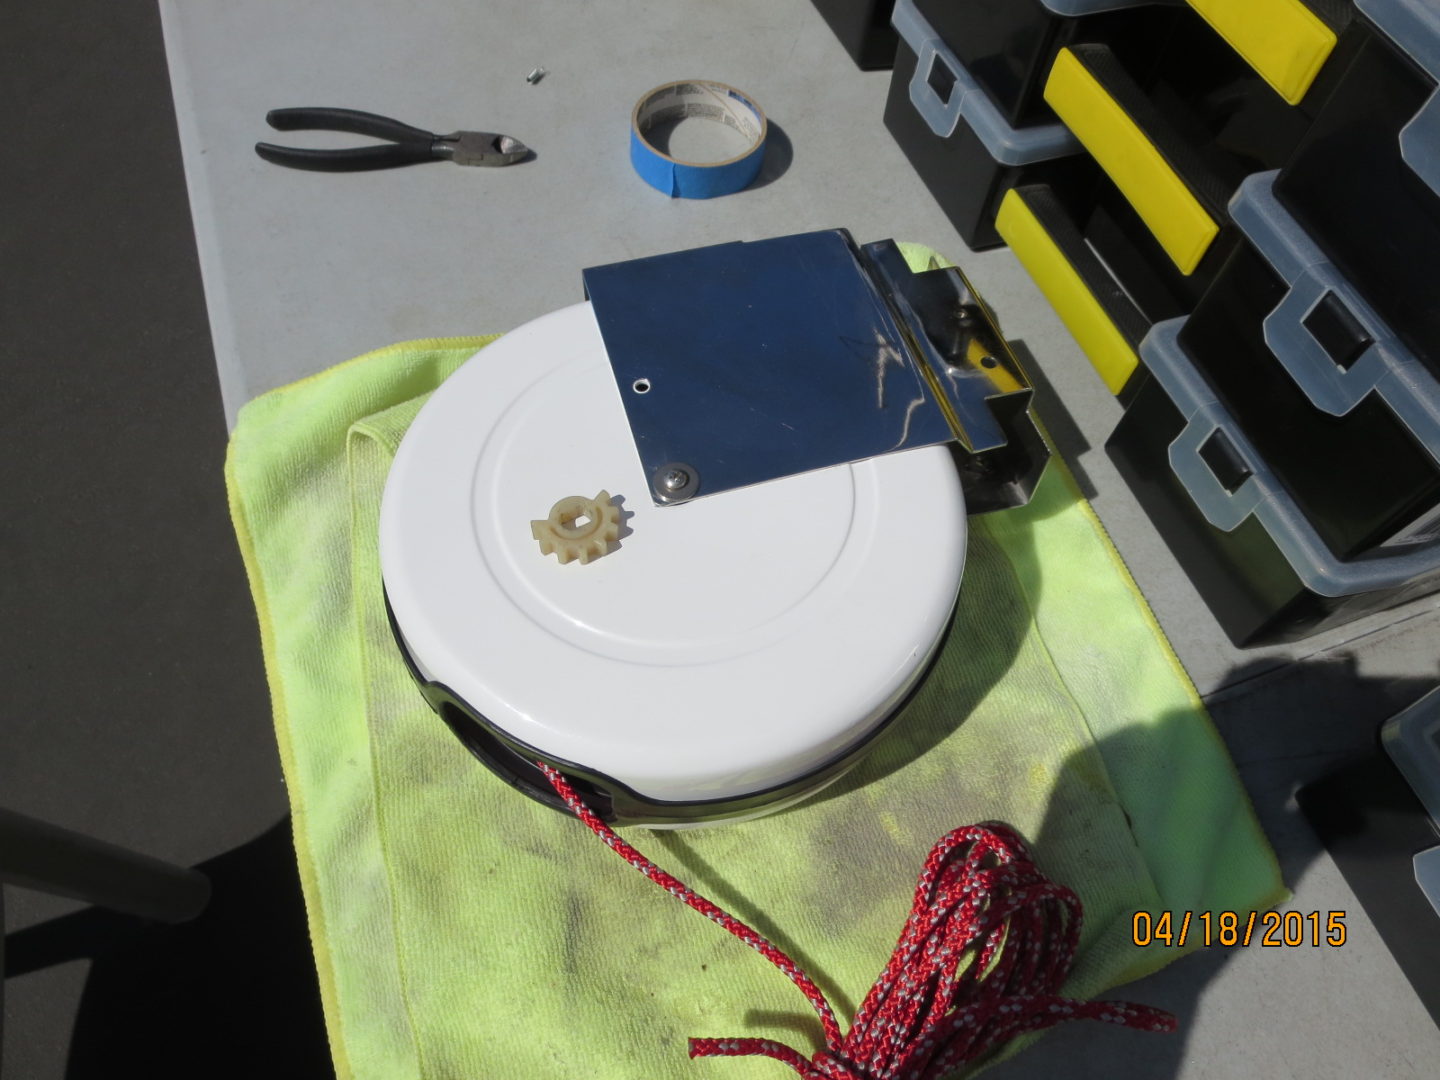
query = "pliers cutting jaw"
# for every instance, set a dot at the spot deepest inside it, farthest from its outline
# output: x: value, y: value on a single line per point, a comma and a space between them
x: 479, y: 148
x: 406, y: 145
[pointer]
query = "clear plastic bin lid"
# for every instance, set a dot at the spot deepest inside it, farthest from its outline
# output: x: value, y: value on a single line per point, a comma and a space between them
x: 1007, y: 145
x: 1261, y: 494
x: 1414, y: 26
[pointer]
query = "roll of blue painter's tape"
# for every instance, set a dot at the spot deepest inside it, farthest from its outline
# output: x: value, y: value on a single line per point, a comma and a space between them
x: 710, y: 101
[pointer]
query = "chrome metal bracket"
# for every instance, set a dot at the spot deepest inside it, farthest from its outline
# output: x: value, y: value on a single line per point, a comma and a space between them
x: 752, y: 361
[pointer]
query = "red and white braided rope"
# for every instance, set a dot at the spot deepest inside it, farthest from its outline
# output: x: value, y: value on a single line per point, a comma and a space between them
x: 988, y: 943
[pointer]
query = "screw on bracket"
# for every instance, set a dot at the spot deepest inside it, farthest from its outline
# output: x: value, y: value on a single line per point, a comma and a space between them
x: 674, y: 482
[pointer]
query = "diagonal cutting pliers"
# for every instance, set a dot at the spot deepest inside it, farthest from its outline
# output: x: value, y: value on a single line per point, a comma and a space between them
x: 406, y: 146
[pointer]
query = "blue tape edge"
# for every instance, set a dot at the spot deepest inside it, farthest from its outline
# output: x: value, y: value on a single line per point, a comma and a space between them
x: 681, y: 179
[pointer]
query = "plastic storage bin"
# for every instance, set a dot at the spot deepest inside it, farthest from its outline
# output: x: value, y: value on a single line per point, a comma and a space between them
x: 1179, y: 135
x: 1094, y: 306
x: 1343, y: 416
x: 1178, y: 146
x: 1365, y: 182
x: 1383, y: 842
x: 957, y: 140
x: 1256, y: 558
x: 1286, y: 42
x: 863, y: 27
x: 1126, y: 245
x: 1412, y: 739
x: 1103, y: 271
x: 1009, y: 45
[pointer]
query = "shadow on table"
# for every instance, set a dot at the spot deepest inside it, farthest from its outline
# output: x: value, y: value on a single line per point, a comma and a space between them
x: 231, y: 994
x: 1284, y: 728
x: 779, y: 153
x: 1066, y: 437
x: 234, y: 994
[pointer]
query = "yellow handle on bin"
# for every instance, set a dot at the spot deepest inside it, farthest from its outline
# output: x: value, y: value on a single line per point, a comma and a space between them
x: 1281, y: 39
x: 1167, y: 206
x: 1101, y: 340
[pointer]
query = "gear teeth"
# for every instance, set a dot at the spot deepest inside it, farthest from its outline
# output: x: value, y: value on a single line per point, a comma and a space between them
x: 558, y: 534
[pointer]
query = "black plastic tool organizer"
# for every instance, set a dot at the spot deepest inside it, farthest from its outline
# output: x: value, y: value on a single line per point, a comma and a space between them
x: 1326, y: 460
x: 1096, y: 253
x: 958, y: 140
x: 1008, y: 47
x: 1281, y: 372
x: 1174, y: 89
x: 1249, y: 583
x: 1176, y: 129
x: 1288, y: 447
x: 1282, y: 429
x: 863, y: 27
x: 1287, y: 443
x: 1365, y: 182
x: 1376, y: 830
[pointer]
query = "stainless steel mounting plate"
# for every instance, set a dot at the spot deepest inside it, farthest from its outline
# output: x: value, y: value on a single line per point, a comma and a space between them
x: 752, y: 361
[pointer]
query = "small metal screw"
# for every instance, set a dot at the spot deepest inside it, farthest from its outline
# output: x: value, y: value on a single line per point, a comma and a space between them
x: 536, y: 75
x: 674, y: 483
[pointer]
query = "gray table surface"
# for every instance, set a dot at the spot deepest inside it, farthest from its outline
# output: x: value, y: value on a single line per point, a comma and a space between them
x: 303, y: 270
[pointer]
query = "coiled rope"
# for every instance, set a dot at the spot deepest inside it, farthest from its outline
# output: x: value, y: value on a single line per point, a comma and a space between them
x: 988, y: 942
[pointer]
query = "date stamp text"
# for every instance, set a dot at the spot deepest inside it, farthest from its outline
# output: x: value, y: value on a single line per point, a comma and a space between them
x: 1268, y: 929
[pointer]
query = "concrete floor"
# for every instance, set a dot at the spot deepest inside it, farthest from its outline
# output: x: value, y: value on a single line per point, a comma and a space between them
x: 135, y: 708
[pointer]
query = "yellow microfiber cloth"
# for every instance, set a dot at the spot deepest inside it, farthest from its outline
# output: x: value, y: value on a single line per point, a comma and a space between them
x: 462, y: 930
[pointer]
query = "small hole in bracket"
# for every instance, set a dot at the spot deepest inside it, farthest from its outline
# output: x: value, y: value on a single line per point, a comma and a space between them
x: 989, y: 362
x: 641, y: 386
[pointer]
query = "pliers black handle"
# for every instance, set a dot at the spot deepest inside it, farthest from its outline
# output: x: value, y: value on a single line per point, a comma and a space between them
x: 407, y: 145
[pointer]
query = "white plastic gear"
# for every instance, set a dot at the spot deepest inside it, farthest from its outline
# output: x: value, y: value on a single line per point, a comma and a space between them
x: 560, y: 536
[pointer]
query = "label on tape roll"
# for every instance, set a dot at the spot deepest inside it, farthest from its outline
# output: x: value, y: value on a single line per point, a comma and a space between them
x: 709, y: 101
